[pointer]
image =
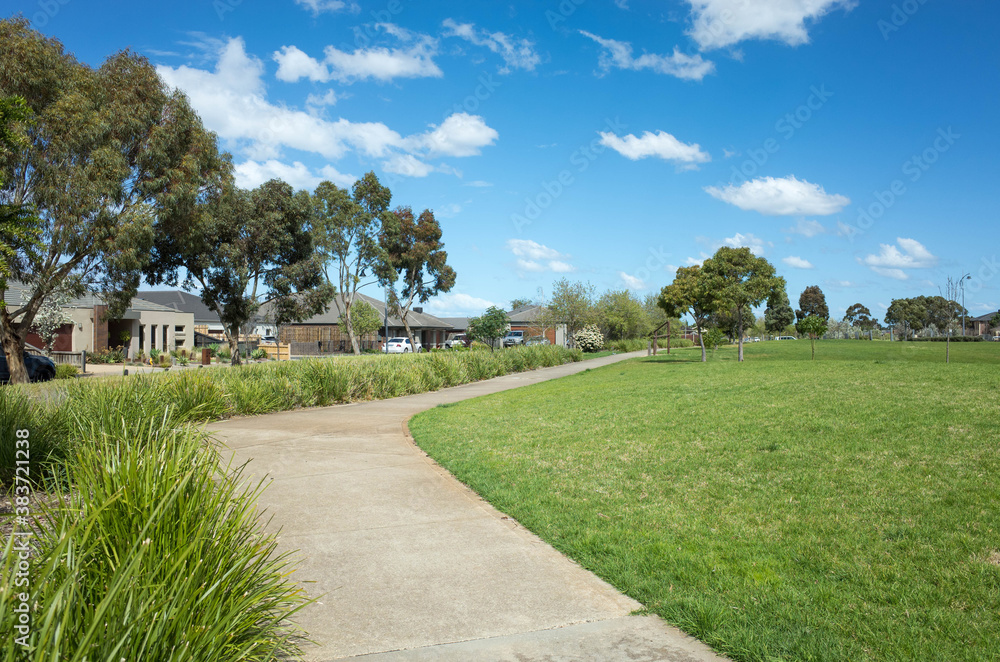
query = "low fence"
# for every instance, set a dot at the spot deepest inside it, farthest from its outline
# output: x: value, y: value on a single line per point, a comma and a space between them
x: 79, y: 359
x: 280, y: 352
x: 321, y: 347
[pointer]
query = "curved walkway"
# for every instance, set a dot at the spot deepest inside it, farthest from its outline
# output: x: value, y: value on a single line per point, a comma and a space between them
x: 411, y: 564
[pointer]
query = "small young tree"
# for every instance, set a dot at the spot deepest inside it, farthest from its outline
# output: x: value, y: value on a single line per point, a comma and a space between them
x: 741, y: 280
x: 50, y: 317
x: 572, y: 304
x: 490, y: 328
x: 365, y: 320
x: 815, y: 326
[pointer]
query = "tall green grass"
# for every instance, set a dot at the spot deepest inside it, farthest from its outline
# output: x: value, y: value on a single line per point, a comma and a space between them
x: 156, y: 555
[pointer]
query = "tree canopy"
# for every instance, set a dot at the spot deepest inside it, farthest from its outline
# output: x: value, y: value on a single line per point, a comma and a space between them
x: 572, y: 304
x: 778, y: 314
x: 112, y: 158
x: 347, y: 227
x: 621, y: 316
x: 739, y: 280
x: 690, y: 294
x: 490, y: 327
x: 414, y: 251
x: 812, y: 301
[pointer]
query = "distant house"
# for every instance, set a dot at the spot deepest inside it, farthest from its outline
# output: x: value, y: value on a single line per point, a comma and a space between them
x: 531, y: 320
x: 146, y: 323
x: 322, y: 334
x: 981, y: 326
x: 206, y: 320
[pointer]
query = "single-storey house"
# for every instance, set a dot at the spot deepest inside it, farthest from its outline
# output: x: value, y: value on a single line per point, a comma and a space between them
x: 146, y: 324
x: 205, y: 319
x: 982, y: 325
x: 531, y: 320
x: 321, y: 334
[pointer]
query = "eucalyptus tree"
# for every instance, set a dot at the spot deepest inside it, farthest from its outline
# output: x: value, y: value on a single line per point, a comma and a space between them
x: 250, y: 248
x: 415, y: 252
x: 346, y: 231
x: 741, y: 280
x: 111, y: 158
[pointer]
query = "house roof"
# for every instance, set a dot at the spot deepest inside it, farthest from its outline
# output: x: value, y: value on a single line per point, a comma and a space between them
x: 336, y: 307
x: 184, y: 302
x: 985, y: 318
x: 530, y: 313
x: 12, y: 297
x: 457, y: 323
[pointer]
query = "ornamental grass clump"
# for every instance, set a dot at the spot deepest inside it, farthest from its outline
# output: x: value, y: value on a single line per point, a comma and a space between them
x: 156, y: 555
x: 589, y: 339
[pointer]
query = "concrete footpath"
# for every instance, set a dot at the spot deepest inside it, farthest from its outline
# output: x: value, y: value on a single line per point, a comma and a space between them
x: 412, y: 565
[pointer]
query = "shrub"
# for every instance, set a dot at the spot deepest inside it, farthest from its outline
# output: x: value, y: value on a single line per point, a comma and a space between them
x: 589, y: 339
x: 65, y: 371
x: 258, y: 354
x: 213, y: 349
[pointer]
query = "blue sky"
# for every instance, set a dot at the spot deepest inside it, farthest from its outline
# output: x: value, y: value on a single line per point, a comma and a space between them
x: 853, y: 144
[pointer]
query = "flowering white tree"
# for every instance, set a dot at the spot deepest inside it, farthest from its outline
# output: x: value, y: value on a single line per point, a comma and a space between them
x: 51, y: 317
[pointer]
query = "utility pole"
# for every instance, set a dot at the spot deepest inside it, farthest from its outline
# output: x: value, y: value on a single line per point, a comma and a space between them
x: 961, y: 282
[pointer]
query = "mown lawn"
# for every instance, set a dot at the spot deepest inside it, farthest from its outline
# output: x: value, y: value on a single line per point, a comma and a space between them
x: 782, y: 509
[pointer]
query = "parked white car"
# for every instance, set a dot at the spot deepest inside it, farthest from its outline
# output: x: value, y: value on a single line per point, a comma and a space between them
x: 401, y: 346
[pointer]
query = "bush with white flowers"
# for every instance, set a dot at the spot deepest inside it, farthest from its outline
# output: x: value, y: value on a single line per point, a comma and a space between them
x: 590, y: 339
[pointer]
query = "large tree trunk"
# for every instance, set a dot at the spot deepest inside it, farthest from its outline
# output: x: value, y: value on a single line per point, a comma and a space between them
x: 355, y: 346
x: 406, y: 326
x: 233, y: 336
x: 13, y: 349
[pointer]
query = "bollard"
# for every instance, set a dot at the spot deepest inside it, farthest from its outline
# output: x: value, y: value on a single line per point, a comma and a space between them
x: 206, y: 356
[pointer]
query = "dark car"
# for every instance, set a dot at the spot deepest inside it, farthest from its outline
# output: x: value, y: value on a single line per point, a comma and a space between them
x: 40, y: 368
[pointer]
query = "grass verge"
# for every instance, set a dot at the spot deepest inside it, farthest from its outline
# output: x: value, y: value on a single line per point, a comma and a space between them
x: 781, y: 509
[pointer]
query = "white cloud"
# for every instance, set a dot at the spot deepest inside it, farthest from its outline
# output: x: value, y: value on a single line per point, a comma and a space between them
x: 721, y: 23
x: 479, y: 184
x: 251, y: 174
x: 660, y: 144
x: 840, y: 283
x: 320, y: 6
x: 460, y: 134
x: 756, y: 245
x: 618, y: 55
x: 232, y: 101
x: 380, y: 63
x: 891, y: 260
x: 457, y: 304
x: 632, y: 282
x: 797, y: 262
x: 537, y: 258
x: 785, y: 196
x: 317, y: 101
x: 407, y: 165
x: 807, y: 228
x: 516, y: 53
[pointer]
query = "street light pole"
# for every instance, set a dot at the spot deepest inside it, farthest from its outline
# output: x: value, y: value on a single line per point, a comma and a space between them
x: 961, y: 281
x: 385, y: 339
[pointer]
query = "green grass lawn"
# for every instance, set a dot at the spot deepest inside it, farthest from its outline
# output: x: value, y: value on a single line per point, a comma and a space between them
x: 846, y: 508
